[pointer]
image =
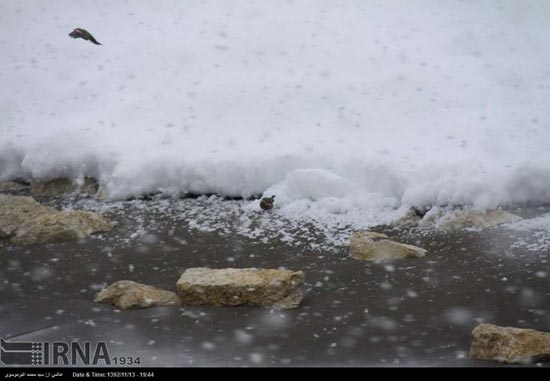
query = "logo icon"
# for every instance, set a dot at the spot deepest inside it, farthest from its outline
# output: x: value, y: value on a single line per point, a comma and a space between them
x: 21, y: 353
x: 60, y: 353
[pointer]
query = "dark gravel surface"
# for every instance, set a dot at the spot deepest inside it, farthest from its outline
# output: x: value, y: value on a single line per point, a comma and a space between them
x: 412, y: 312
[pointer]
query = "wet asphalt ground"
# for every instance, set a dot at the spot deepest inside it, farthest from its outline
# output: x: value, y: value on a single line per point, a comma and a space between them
x: 411, y: 312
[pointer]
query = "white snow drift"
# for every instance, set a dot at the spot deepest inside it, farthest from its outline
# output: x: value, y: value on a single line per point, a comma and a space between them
x: 336, y: 106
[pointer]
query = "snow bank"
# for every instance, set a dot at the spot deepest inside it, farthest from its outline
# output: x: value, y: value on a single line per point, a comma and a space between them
x: 347, y: 107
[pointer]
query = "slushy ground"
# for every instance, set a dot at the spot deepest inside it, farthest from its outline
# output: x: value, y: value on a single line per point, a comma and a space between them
x: 411, y: 312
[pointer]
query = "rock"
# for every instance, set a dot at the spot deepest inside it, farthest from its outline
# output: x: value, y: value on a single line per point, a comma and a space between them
x: 24, y: 221
x: 52, y: 188
x: 61, y: 226
x: 409, y: 220
x: 16, y: 210
x: 101, y: 194
x: 127, y: 294
x: 454, y: 219
x: 372, y: 246
x: 234, y: 287
x: 12, y: 187
x: 87, y: 187
x: 491, y: 342
x: 442, y: 219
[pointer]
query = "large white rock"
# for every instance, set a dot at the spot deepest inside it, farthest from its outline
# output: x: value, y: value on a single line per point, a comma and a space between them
x: 127, y: 294
x: 372, y: 246
x: 234, y: 287
x: 491, y: 342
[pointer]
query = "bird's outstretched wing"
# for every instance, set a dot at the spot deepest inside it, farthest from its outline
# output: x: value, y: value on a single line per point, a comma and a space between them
x: 84, y: 34
x: 92, y: 39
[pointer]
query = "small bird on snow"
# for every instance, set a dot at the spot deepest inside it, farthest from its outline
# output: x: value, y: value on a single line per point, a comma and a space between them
x: 84, y: 34
x: 266, y: 203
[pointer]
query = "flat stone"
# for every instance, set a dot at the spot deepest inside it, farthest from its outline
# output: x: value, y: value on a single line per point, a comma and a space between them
x: 508, y: 344
x: 101, y: 194
x: 57, y: 187
x: 24, y: 221
x: 372, y: 246
x: 441, y: 219
x: 60, y: 226
x: 16, y: 210
x: 127, y: 294
x: 409, y: 220
x: 234, y: 287
x: 12, y: 187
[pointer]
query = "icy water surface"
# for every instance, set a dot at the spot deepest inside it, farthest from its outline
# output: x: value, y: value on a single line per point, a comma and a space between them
x: 412, y: 312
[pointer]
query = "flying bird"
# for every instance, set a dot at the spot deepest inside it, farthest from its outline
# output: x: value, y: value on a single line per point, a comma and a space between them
x: 84, y: 34
x: 266, y: 203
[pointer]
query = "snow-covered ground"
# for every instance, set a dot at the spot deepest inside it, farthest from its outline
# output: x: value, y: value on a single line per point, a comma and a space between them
x: 539, y: 227
x: 345, y: 109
